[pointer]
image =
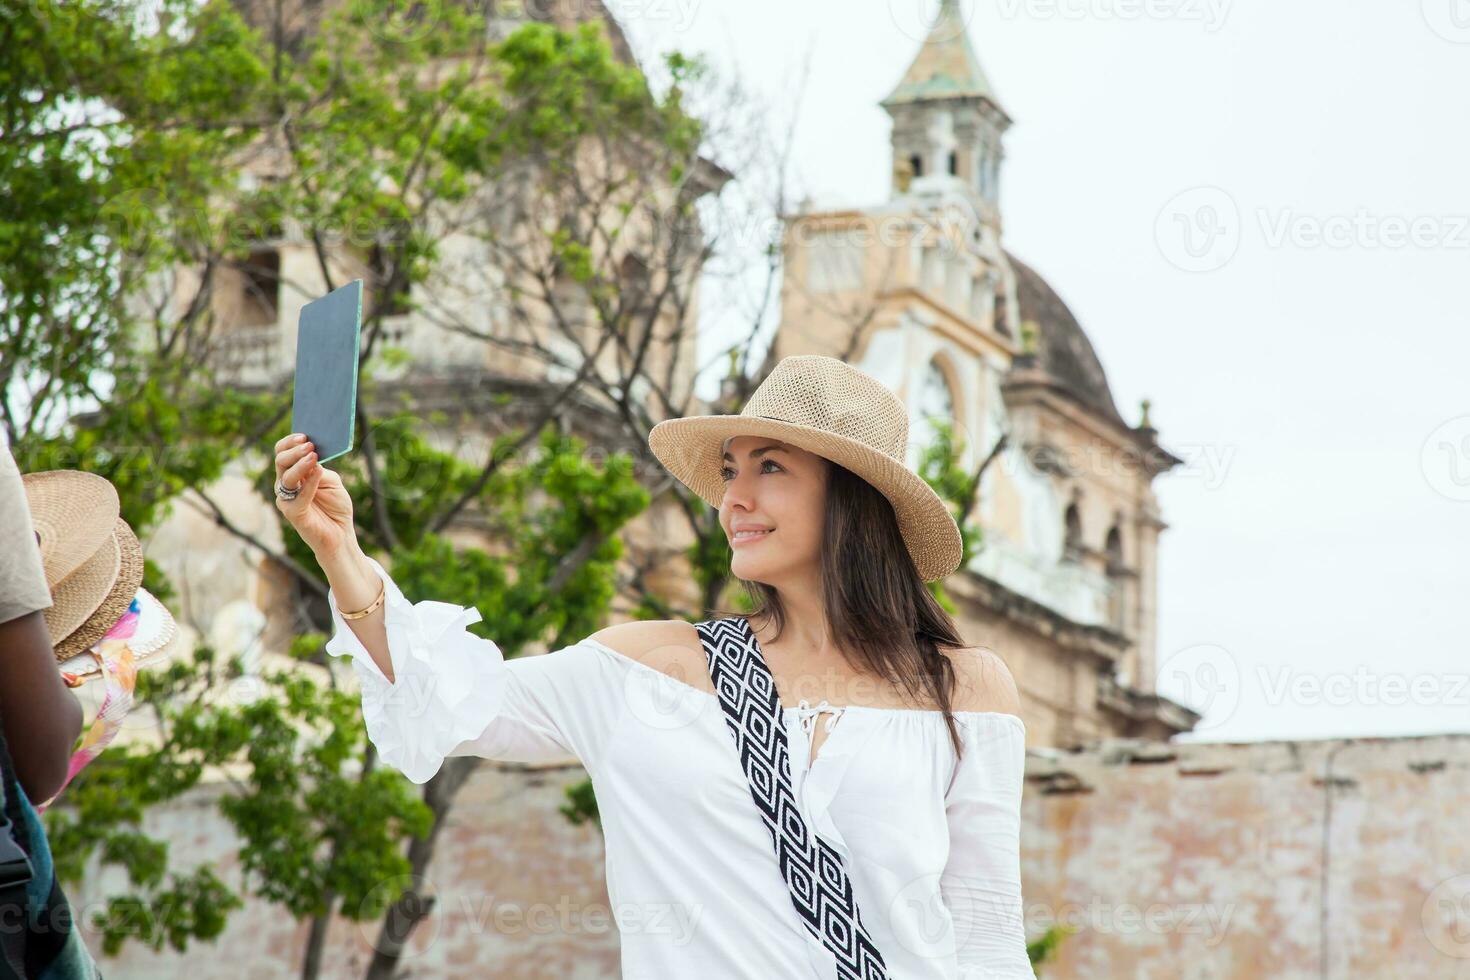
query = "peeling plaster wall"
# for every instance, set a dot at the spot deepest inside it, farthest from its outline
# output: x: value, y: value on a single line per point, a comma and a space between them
x: 1201, y: 861
x: 1336, y: 858
x: 519, y: 896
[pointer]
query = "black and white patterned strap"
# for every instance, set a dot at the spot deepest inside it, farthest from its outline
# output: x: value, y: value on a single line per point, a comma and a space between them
x: 814, y: 871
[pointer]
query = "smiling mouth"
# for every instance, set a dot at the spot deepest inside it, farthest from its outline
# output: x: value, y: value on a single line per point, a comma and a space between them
x: 749, y: 535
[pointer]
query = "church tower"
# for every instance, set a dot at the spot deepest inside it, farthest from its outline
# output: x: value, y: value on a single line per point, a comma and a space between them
x: 920, y: 292
x: 947, y: 122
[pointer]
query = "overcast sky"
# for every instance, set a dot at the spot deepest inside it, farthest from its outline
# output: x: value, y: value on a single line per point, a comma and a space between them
x: 1260, y: 213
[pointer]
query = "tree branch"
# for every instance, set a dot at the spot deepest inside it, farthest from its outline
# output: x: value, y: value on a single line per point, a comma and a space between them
x: 286, y: 561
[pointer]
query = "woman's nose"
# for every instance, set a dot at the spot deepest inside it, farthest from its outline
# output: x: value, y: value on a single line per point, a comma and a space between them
x: 738, y: 491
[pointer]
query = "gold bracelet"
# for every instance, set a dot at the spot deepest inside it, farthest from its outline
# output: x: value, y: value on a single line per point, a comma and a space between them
x: 383, y: 594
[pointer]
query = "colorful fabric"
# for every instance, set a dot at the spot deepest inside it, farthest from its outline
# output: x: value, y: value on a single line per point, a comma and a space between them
x: 120, y: 676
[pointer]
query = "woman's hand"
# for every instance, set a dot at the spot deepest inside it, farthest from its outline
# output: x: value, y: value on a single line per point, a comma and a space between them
x: 322, y: 512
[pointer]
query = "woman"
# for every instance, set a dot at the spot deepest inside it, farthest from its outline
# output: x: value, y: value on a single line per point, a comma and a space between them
x: 883, y: 842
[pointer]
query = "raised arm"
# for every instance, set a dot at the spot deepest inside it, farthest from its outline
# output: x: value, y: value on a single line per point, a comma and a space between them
x: 431, y: 688
x: 321, y: 512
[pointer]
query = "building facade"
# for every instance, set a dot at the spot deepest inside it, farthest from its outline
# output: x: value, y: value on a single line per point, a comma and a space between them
x: 920, y: 292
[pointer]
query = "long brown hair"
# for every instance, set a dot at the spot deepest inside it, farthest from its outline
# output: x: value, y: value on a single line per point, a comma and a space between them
x: 879, y: 611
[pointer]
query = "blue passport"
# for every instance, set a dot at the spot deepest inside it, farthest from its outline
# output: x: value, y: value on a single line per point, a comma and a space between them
x: 324, y: 397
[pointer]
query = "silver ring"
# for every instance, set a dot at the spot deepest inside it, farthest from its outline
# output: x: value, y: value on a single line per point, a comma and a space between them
x: 286, y: 494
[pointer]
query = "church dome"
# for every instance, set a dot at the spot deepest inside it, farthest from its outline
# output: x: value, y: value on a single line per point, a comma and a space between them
x: 1062, y: 349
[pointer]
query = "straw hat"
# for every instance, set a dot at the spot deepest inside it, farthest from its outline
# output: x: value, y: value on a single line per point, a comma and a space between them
x: 92, y: 559
x: 147, y: 628
x: 830, y: 408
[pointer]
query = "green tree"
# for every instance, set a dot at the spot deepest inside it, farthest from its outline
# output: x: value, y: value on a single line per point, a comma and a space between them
x: 178, y: 147
x: 96, y: 108
x: 1043, y: 949
x: 940, y: 465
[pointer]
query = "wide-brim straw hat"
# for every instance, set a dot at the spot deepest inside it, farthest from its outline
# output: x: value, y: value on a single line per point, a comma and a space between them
x: 92, y: 559
x: 830, y: 408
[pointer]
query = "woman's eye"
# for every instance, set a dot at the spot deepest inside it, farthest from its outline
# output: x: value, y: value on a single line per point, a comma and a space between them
x: 728, y: 474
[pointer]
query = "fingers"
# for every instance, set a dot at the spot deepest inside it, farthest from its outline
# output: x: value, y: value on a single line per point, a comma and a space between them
x: 296, y: 475
x: 313, y: 477
x: 294, y: 439
x: 289, y: 457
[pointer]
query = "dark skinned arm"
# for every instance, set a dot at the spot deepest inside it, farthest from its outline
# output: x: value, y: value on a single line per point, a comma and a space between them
x: 41, y: 716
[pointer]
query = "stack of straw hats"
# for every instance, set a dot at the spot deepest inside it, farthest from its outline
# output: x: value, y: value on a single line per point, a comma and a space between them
x: 94, y: 568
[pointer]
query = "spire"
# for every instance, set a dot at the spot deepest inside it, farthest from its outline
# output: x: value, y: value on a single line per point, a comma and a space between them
x: 946, y: 66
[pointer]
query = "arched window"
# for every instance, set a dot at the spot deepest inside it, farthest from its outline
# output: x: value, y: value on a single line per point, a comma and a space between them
x: 380, y: 268
x: 954, y: 163
x: 638, y: 302
x: 936, y: 399
x: 917, y: 162
x: 260, y: 290
x: 1072, y: 543
x: 934, y: 270
x: 1114, y: 551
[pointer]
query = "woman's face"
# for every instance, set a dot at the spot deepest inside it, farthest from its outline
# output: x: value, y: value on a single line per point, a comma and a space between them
x: 781, y: 490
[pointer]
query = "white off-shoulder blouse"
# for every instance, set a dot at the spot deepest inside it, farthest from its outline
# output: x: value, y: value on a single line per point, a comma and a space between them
x: 932, y: 846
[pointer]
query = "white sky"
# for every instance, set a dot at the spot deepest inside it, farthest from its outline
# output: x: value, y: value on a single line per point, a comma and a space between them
x: 1315, y: 385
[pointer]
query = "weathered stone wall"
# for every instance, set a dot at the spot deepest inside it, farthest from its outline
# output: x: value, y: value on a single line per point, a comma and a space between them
x: 1332, y: 858
x: 520, y: 896
x: 1289, y: 860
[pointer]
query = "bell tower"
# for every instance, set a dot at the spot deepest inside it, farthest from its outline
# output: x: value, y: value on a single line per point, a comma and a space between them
x: 947, y: 121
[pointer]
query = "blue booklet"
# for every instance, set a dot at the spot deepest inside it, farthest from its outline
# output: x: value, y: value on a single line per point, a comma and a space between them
x: 324, y: 397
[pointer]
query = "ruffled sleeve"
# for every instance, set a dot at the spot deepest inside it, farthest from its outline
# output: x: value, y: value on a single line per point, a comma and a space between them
x: 981, y: 883
x: 455, y: 694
